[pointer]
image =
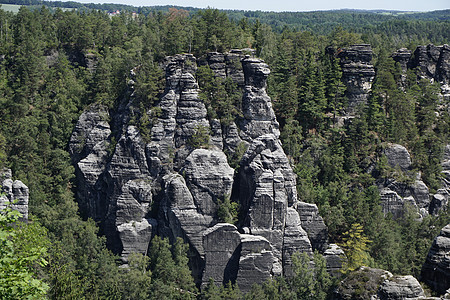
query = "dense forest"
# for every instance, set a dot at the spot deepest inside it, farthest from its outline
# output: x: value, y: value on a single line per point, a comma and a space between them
x: 55, y: 64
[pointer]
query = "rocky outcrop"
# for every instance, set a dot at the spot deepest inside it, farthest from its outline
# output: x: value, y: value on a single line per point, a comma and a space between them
x: 258, y: 115
x: 137, y: 187
x: 396, y: 195
x: 88, y: 147
x: 440, y: 199
x: 15, y: 194
x: 431, y: 62
x: 227, y: 65
x: 369, y: 283
x: 335, y: 257
x: 357, y: 74
x: 436, y: 269
x: 314, y: 225
x: 398, y: 156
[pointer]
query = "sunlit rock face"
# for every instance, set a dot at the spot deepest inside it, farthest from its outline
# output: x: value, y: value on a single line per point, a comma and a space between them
x: 137, y: 186
x: 358, y: 74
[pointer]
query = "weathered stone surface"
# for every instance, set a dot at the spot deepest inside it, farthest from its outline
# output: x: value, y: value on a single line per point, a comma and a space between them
x: 227, y: 65
x: 400, y: 288
x: 136, y: 236
x: 392, y: 203
x: 267, y: 188
x: 221, y: 253
x: 14, y: 191
x: 88, y: 148
x: 402, y: 56
x: 357, y: 74
x: 436, y: 269
x: 209, y: 178
x: 295, y: 240
x: 334, y: 257
x: 439, y: 201
x: 395, y: 195
x: 259, y: 117
x: 314, y: 225
x: 398, y: 156
x: 256, y: 261
x: 122, y: 182
x: 433, y: 62
x: 369, y: 283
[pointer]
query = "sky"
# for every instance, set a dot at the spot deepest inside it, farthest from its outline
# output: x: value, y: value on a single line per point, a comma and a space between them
x: 293, y: 5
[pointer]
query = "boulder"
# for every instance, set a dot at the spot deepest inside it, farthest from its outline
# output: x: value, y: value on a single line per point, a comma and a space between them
x: 256, y: 262
x: 397, y: 155
x: 334, y: 256
x: 209, y: 178
x: 400, y: 288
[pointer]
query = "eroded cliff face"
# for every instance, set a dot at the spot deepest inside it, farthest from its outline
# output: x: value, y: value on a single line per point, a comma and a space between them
x: 14, y: 193
x: 436, y: 269
x: 358, y: 74
x: 431, y: 62
x: 398, y: 195
x: 138, y: 187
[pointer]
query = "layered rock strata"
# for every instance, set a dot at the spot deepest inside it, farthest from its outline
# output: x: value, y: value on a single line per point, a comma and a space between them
x: 436, y: 269
x: 369, y: 283
x: 358, y: 74
x: 431, y: 62
x: 395, y: 195
x: 14, y: 194
x: 137, y: 187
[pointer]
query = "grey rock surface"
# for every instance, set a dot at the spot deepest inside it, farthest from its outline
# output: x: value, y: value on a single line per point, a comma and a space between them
x: 357, y: 74
x: 400, y: 288
x: 159, y: 184
x: 88, y: 148
x: 259, y: 117
x: 334, y: 256
x: 209, y: 179
x: 295, y: 240
x: 369, y: 283
x: 221, y: 253
x: 398, y: 156
x: 396, y: 196
x: 314, y: 225
x: 15, y: 194
x: 256, y: 261
x: 436, y: 269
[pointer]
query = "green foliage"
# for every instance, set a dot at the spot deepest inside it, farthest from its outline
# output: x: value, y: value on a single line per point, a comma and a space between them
x: 235, y: 158
x: 23, y: 254
x: 221, y: 96
x: 227, y: 210
x: 355, y: 246
x: 171, y: 276
x: 311, y: 279
x: 200, y: 138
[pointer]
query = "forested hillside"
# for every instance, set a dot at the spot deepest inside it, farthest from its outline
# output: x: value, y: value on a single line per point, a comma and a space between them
x: 56, y: 65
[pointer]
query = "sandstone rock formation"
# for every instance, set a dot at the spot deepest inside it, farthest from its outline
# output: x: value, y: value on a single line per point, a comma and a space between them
x: 369, y: 283
x: 440, y: 199
x: 14, y: 193
x: 357, y: 74
x: 436, y: 269
x: 137, y: 187
x: 432, y: 63
x: 396, y: 195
